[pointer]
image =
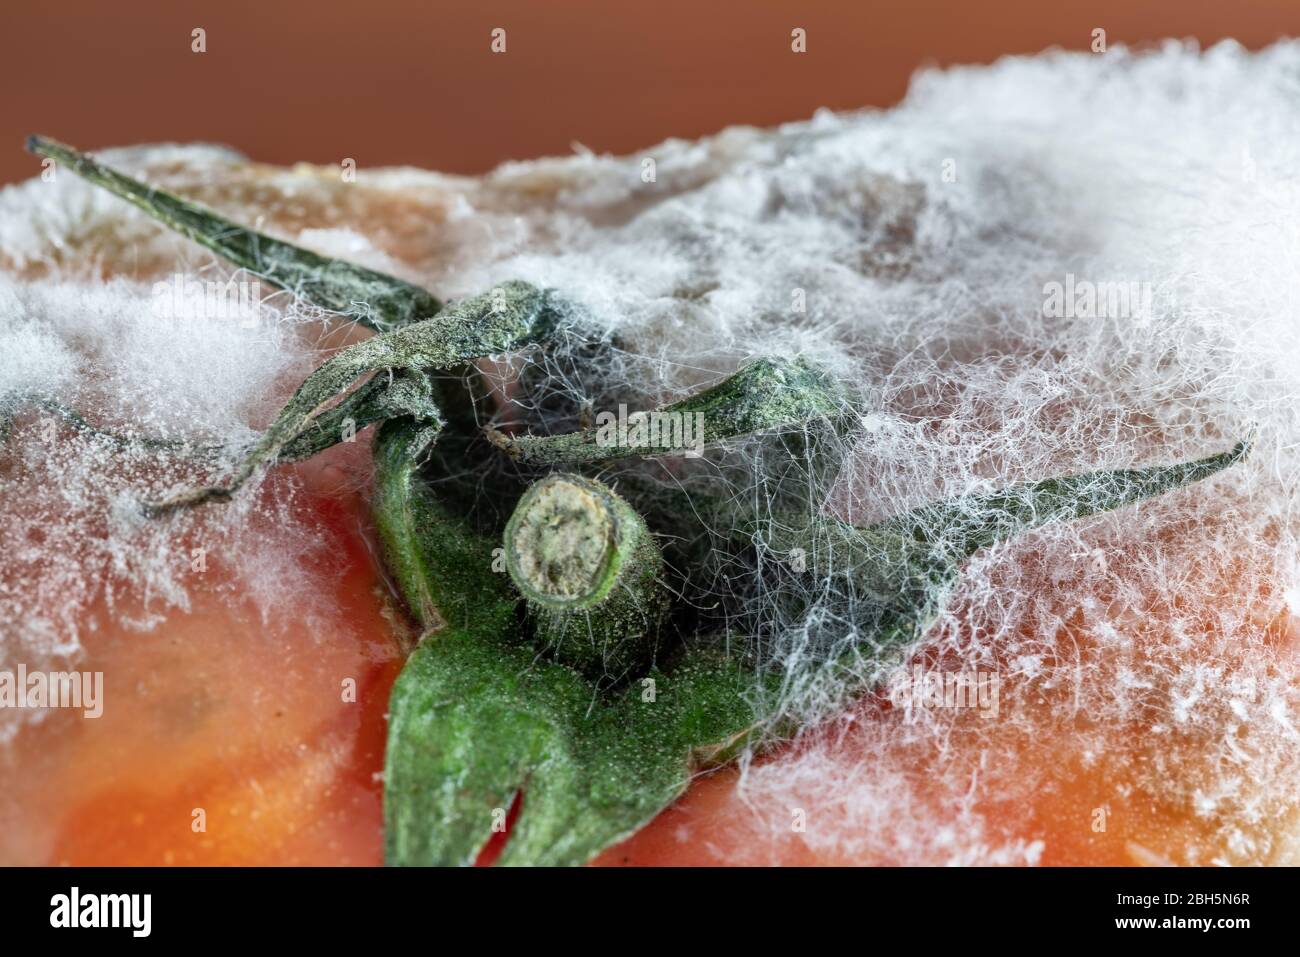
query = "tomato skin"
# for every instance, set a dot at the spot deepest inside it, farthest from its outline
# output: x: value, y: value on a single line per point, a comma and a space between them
x: 230, y: 734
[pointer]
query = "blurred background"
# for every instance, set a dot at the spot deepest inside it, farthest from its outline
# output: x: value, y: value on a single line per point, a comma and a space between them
x: 416, y: 81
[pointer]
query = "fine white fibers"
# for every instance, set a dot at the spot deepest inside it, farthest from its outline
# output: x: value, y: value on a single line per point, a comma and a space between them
x: 141, y: 358
x: 72, y: 534
x: 1054, y: 264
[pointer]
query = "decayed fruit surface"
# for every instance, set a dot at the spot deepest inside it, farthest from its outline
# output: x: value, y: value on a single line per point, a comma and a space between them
x: 1146, y: 681
x: 256, y: 733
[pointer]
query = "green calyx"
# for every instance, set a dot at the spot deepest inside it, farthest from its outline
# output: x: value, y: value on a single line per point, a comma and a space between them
x: 508, y: 317
x: 763, y: 395
x: 477, y: 718
x: 372, y: 298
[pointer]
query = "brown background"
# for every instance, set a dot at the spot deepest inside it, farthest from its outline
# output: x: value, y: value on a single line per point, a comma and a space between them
x: 403, y: 81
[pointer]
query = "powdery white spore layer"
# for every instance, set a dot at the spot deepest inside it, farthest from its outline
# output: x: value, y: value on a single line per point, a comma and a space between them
x: 931, y: 248
x: 75, y: 552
